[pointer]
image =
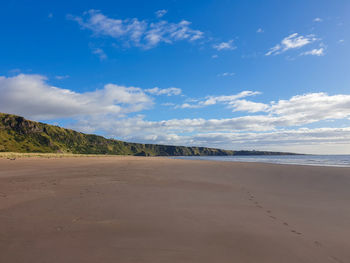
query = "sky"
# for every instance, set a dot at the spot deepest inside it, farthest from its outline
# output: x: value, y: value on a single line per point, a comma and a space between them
x: 242, y: 75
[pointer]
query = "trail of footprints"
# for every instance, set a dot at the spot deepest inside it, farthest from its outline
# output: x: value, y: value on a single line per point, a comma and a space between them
x: 270, y: 214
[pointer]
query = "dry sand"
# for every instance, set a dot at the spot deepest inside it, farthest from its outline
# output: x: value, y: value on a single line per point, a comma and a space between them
x: 135, y: 209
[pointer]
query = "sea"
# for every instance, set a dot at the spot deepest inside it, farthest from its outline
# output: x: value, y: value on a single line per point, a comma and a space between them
x: 316, y: 160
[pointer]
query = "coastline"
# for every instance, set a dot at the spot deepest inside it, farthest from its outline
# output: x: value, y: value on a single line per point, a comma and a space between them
x: 303, y: 160
x: 157, y: 209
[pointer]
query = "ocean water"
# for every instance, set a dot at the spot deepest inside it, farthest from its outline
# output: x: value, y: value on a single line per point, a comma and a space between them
x: 317, y: 160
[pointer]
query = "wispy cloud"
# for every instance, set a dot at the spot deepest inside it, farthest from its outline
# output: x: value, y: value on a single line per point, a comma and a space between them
x: 135, y: 32
x: 168, y: 104
x: 293, y: 41
x: 317, y: 19
x: 161, y: 13
x: 169, y: 91
x: 212, y: 100
x: 229, y: 45
x: 260, y: 30
x: 314, y: 52
x: 226, y: 74
x: 188, y: 106
x: 100, y: 53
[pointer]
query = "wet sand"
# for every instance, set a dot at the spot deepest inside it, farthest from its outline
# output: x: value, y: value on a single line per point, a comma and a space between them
x: 137, y: 209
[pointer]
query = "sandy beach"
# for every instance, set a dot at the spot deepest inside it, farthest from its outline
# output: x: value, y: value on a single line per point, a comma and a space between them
x: 140, y: 209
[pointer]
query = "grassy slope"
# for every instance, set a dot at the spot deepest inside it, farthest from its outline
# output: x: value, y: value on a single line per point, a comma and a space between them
x: 20, y: 135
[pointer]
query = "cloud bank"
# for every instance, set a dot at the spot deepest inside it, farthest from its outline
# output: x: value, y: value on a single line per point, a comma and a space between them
x: 270, y: 125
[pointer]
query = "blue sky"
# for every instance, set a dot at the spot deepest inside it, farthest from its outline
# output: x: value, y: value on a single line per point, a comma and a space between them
x: 266, y: 75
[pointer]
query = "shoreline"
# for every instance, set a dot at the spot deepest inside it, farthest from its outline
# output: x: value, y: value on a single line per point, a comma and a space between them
x: 268, y: 159
x: 15, y: 155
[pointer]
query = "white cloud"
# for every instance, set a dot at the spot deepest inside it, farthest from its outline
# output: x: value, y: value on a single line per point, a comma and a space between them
x: 100, y: 53
x: 229, y: 45
x: 188, y: 106
x: 161, y: 13
x: 317, y: 19
x: 293, y: 41
x: 311, y: 107
x: 314, y: 52
x: 260, y: 30
x: 214, y: 56
x: 248, y: 106
x: 212, y: 100
x: 169, y: 91
x: 32, y: 97
x: 226, y: 74
x: 134, y: 32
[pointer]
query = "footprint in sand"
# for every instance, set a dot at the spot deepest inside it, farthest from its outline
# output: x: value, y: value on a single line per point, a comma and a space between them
x: 295, y: 232
x: 318, y: 244
x: 336, y: 259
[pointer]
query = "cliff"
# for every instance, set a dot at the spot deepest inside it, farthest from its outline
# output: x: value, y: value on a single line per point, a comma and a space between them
x: 20, y: 135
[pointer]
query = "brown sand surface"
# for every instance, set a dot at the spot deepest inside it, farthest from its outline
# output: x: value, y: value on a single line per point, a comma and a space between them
x: 139, y: 209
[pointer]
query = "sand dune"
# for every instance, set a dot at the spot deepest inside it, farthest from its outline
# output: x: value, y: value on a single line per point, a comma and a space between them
x: 136, y: 209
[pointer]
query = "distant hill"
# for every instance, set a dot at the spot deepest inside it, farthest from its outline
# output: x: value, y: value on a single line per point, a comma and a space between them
x: 20, y: 135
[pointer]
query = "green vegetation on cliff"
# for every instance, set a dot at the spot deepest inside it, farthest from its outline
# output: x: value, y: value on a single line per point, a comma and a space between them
x: 20, y: 135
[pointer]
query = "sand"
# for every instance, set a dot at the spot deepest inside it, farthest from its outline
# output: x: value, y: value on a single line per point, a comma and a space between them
x: 139, y: 209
